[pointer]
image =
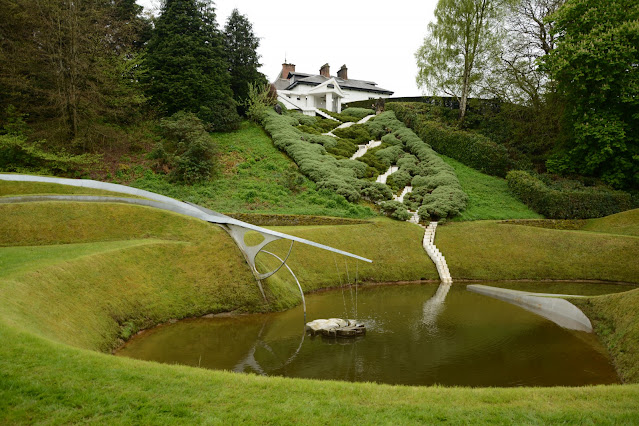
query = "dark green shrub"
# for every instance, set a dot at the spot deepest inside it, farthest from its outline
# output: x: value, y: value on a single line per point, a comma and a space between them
x: 472, y: 149
x: 304, y: 120
x: 187, y: 151
x: 390, y: 139
x: 431, y: 182
x: 326, y: 141
x: 309, y: 129
x: 399, y: 179
x: 343, y: 148
x: 358, y: 133
x: 438, y: 191
x: 375, y: 191
x: 325, y: 125
x: 390, y: 155
x: 312, y: 159
x: 357, y: 112
x: 379, y: 165
x: 576, y: 202
x: 19, y: 156
x: 444, y: 202
x: 381, y: 125
x: 395, y: 209
x: 341, y: 117
x: 357, y: 166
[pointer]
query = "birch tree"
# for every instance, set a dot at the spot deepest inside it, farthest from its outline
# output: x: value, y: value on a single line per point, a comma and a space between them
x: 460, y: 45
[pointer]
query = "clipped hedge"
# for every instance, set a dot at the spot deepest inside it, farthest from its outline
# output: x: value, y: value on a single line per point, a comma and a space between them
x: 390, y: 155
x: 340, y: 116
x: 358, y: 133
x: 436, y: 189
x: 471, y: 149
x: 311, y: 153
x: 395, y: 209
x: 357, y: 112
x: 312, y: 159
x: 577, y: 203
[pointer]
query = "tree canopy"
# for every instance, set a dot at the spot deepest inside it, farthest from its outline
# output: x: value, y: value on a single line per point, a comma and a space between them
x: 185, y: 65
x: 61, y: 62
x: 240, y: 45
x: 459, y: 47
x: 596, y: 68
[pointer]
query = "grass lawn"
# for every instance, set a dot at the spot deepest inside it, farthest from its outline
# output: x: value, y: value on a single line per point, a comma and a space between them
x: 488, y: 196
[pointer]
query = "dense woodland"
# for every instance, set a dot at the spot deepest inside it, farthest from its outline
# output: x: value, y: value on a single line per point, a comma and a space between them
x: 88, y: 84
x: 85, y: 81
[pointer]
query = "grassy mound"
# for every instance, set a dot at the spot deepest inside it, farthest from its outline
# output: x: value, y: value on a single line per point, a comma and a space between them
x: 490, y: 250
x: 89, y: 285
x: 614, y: 318
x: 624, y: 223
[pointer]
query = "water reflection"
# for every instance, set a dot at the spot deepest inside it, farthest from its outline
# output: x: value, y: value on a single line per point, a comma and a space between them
x: 249, y: 363
x: 434, y: 306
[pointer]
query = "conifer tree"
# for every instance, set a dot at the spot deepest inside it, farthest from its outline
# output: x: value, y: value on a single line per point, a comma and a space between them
x: 185, y: 67
x: 240, y: 44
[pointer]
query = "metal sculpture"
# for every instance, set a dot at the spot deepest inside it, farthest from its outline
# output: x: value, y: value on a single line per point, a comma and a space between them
x: 235, y: 228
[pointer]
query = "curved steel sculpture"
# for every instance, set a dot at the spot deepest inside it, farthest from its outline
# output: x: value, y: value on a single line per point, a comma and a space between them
x: 236, y: 228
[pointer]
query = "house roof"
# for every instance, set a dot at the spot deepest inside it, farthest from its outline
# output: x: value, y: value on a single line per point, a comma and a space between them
x: 298, y: 78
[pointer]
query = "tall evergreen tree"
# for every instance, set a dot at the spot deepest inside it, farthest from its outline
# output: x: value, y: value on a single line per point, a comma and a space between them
x: 185, y: 66
x: 240, y: 45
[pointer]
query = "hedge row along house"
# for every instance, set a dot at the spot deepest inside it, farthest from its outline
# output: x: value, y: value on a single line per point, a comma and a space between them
x: 311, y: 92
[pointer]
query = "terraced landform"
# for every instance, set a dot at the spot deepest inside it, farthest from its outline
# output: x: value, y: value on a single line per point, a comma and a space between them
x: 76, y: 279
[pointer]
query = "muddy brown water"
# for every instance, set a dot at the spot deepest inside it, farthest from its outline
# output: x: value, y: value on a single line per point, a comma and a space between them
x: 417, y: 334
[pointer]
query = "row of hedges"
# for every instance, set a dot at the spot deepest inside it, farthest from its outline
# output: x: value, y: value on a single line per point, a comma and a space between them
x: 577, y: 203
x: 307, y: 150
x: 437, y: 192
x: 471, y: 149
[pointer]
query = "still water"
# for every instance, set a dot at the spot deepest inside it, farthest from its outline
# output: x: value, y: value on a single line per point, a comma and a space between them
x: 418, y: 334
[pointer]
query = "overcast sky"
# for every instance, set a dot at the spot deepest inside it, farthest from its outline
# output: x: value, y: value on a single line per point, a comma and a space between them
x: 376, y: 39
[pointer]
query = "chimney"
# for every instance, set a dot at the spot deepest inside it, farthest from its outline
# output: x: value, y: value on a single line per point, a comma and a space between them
x: 343, y: 73
x: 287, y: 68
x: 325, y: 71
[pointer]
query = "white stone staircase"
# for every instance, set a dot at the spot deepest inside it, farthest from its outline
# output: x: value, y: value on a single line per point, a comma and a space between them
x: 429, y: 236
x: 435, y: 255
x: 362, y: 149
x: 382, y: 178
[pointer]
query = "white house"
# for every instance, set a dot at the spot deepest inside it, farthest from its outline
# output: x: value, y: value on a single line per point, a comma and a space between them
x: 309, y: 92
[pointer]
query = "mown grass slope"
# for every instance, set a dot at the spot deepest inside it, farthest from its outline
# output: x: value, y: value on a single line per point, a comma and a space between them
x: 87, y: 274
x: 492, y: 250
x: 254, y: 176
x: 624, y: 223
x: 488, y: 196
x: 615, y: 318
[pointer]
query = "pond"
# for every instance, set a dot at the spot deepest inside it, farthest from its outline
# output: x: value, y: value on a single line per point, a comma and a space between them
x: 418, y: 334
